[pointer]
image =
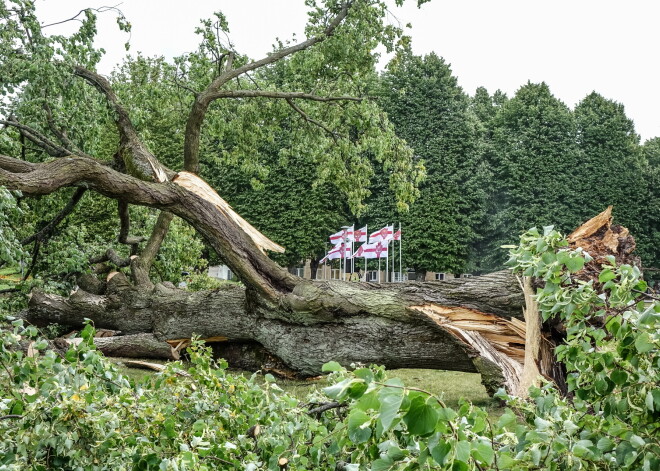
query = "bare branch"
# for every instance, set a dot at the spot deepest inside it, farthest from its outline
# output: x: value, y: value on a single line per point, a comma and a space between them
x: 306, y: 117
x: 125, y: 227
x: 222, y: 233
x: 35, y: 256
x: 53, y: 149
x: 75, y: 17
x: 202, y: 102
x: 61, y: 134
x: 141, y: 265
x: 113, y: 257
x: 144, y: 163
x: 280, y: 95
x: 48, y: 229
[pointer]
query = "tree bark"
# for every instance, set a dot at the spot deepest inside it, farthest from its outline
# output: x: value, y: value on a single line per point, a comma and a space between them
x: 414, y: 325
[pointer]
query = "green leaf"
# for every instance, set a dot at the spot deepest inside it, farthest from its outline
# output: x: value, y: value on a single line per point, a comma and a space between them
x: 440, y: 452
x: 390, y: 402
x: 382, y: 464
x: 483, y: 453
x: 575, y: 264
x: 643, y: 343
x: 421, y: 418
x: 331, y: 366
x: 605, y: 444
x: 606, y: 275
x: 463, y: 449
x: 358, y: 429
x: 619, y: 377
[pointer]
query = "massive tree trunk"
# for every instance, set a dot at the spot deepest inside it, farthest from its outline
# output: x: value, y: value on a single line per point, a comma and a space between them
x: 465, y: 324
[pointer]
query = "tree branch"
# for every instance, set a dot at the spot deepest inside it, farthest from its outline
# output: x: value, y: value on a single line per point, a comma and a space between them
x: 225, y: 236
x: 306, y: 117
x: 280, y: 95
x: 140, y: 266
x: 37, y: 138
x: 61, y: 134
x: 204, y: 99
x: 143, y: 164
x: 125, y: 227
x: 111, y: 256
x: 47, y: 230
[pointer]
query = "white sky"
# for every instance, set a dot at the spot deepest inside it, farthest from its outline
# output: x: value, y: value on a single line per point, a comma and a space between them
x: 576, y: 46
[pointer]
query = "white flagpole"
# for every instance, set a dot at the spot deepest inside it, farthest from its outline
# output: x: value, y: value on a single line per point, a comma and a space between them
x: 400, y: 241
x: 365, y: 258
x: 378, y: 268
x: 387, y: 259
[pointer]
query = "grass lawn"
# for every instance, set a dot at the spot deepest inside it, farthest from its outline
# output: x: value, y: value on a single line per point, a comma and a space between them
x: 450, y: 386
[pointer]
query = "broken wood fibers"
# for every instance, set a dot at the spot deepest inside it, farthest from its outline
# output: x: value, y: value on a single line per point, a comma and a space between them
x: 522, y: 350
x: 194, y: 184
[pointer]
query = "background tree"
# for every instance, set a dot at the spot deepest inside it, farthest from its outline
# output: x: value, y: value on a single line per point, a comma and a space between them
x: 429, y: 110
x: 485, y: 108
x: 536, y: 158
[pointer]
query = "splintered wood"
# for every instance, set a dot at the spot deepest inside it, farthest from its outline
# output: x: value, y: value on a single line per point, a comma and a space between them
x: 499, y: 340
x: 194, y: 184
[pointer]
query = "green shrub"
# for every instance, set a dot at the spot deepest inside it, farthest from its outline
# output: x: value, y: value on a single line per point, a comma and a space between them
x: 76, y: 411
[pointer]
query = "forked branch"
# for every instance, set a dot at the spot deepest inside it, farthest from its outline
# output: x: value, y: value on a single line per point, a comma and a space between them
x: 204, y: 99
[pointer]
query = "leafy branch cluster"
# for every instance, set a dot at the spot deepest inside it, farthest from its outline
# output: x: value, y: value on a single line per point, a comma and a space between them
x: 75, y: 410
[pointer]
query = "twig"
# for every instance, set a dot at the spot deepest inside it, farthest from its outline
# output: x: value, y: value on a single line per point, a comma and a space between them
x: 11, y: 416
x: 306, y: 117
x: 324, y: 407
x: 646, y: 294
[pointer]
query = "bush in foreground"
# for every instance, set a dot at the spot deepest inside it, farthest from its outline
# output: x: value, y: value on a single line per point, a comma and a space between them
x: 74, y: 410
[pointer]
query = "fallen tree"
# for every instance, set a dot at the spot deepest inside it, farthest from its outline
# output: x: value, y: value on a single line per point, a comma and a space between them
x: 465, y: 324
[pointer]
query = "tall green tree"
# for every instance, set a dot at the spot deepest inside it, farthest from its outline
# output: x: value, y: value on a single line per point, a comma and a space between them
x: 430, y: 111
x: 610, y: 170
x: 650, y: 208
x: 485, y: 107
x: 536, y: 166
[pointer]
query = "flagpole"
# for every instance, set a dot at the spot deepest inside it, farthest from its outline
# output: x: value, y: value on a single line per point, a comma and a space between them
x: 387, y: 259
x: 378, y: 268
x: 365, y: 258
x: 400, y: 242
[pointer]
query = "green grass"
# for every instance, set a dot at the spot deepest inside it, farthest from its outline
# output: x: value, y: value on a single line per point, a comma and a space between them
x: 450, y: 386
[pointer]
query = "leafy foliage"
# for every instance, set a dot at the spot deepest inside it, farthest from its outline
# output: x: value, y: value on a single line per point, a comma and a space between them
x: 11, y: 251
x: 430, y: 111
x: 74, y: 409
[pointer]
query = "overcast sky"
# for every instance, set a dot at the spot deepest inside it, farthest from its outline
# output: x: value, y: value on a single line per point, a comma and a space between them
x: 576, y: 46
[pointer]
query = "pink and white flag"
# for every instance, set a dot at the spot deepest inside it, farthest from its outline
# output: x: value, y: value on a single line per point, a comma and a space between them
x: 366, y: 251
x: 397, y: 235
x: 376, y: 250
x: 382, y: 235
x: 349, y: 234
x: 338, y: 237
x: 360, y: 235
x: 382, y: 249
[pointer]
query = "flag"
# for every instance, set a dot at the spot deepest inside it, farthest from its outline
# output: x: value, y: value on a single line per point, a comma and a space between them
x: 348, y: 233
x: 334, y: 252
x: 382, y: 249
x: 347, y: 251
x: 338, y: 237
x: 360, y: 235
x: 397, y: 235
x: 382, y: 235
x: 337, y: 252
x: 376, y: 250
x: 366, y: 251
